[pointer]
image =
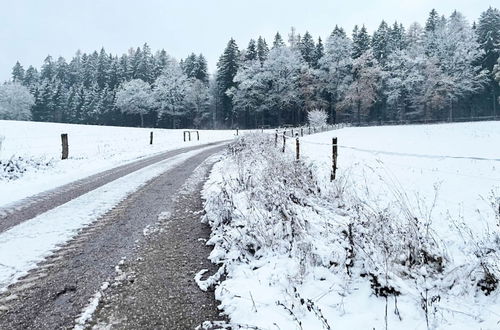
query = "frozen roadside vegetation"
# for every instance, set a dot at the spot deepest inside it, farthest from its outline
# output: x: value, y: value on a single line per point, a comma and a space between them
x: 301, y: 253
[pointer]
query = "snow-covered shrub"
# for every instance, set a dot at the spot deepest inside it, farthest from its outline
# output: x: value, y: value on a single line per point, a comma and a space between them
x: 16, y: 167
x: 317, y: 118
x: 286, y: 240
x: 257, y: 206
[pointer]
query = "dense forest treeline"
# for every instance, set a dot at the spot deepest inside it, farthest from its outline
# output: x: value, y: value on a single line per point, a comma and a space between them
x: 447, y: 68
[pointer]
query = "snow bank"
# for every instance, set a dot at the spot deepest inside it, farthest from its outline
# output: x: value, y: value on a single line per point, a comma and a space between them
x: 300, y: 252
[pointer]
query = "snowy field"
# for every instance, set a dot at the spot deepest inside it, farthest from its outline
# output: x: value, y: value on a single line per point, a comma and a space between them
x: 407, y: 237
x: 449, y: 171
x: 34, y: 149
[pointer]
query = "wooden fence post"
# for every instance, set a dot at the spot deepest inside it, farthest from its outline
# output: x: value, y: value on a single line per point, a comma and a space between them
x: 276, y: 139
x: 284, y: 142
x: 65, y: 147
x: 309, y: 130
x: 237, y: 131
x: 184, y: 136
x: 151, y: 138
x: 189, y: 135
x: 334, y: 159
x: 198, y: 135
x: 297, y: 147
x: 301, y: 131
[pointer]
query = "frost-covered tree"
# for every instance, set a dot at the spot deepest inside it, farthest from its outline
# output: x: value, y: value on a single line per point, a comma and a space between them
x: 281, y: 73
x: 459, y: 58
x: 335, y: 68
x: 363, y: 91
x: 249, y: 96
x: 135, y: 97
x: 170, y: 92
x: 197, y: 101
x: 317, y: 117
x: 15, y: 102
x: 435, y: 72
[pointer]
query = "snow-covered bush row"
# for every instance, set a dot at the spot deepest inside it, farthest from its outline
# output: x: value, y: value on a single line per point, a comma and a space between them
x: 298, y: 253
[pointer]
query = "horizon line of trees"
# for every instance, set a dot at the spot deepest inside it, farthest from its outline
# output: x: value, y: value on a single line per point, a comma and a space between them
x: 445, y: 69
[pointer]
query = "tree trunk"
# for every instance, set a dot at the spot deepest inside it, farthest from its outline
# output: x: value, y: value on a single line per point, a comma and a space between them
x: 359, y: 113
x: 494, y: 101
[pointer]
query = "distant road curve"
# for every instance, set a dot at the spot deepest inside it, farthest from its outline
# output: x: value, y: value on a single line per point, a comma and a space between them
x: 32, y: 206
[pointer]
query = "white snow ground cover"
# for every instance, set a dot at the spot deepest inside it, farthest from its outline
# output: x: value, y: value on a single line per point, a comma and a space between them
x: 30, y: 152
x: 397, y: 241
x: 28, y: 243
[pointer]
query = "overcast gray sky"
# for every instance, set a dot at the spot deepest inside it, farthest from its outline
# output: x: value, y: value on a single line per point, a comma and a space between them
x: 32, y: 29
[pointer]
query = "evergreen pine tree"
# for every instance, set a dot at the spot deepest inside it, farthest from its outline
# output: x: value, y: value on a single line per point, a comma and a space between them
x: 31, y: 78
x: 18, y: 73
x: 160, y: 62
x: 227, y: 67
x: 262, y: 49
x: 488, y: 35
x: 380, y: 42
x: 48, y: 69
x: 432, y: 21
x: 319, y: 52
x: 202, y: 69
x: 396, y: 37
x: 102, y: 69
x: 74, y: 71
x: 251, y: 52
x: 361, y: 41
x: 307, y: 49
x: 145, y: 65
x: 278, y: 41
x: 61, y: 70
x: 339, y: 32
x: 190, y: 66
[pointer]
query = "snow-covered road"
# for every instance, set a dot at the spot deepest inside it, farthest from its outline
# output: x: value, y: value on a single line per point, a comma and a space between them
x: 51, y: 265
x: 26, y: 244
